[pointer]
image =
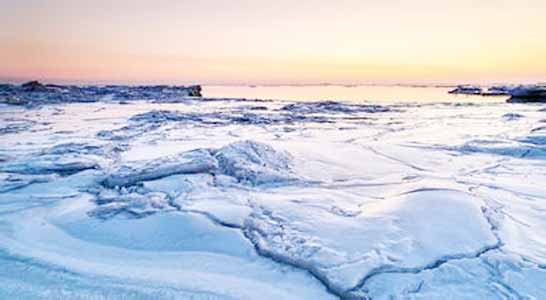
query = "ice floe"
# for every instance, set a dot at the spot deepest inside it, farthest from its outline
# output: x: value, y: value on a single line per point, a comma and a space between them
x: 246, y: 161
x: 198, y: 161
x: 254, y: 163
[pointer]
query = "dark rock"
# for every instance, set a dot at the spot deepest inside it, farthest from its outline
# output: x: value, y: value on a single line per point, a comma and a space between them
x: 531, y: 93
x: 194, y: 91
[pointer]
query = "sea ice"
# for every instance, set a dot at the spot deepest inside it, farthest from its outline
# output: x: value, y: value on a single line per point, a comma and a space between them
x: 254, y: 163
x: 197, y: 161
x: 226, y: 199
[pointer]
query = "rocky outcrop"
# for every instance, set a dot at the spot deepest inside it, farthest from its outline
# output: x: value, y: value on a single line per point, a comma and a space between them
x: 194, y: 91
x: 529, y: 93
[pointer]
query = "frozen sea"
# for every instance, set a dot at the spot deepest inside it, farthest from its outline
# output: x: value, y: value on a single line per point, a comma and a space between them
x: 376, y: 192
x: 349, y: 93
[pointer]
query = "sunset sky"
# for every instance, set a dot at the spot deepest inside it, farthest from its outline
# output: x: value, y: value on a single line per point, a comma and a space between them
x: 282, y: 41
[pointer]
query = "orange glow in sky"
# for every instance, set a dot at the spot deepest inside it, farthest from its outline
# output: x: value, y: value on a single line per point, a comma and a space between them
x: 229, y: 42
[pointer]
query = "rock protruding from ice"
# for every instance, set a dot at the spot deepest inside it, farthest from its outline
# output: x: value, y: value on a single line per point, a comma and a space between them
x: 194, y: 91
x: 197, y: 161
x: 254, y: 163
x: 332, y: 107
x: 528, y: 93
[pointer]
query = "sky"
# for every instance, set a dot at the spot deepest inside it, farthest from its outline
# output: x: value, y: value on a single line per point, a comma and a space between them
x: 273, y: 42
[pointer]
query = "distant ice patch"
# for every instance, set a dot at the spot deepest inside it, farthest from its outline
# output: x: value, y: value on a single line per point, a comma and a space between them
x: 333, y: 107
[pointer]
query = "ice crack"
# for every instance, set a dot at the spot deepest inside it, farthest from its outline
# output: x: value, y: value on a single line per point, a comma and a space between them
x: 355, y: 292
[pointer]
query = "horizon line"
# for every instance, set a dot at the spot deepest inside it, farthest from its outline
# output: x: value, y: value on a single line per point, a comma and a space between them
x: 19, y: 81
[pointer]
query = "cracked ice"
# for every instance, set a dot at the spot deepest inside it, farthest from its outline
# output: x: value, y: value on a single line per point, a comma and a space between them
x: 219, y: 200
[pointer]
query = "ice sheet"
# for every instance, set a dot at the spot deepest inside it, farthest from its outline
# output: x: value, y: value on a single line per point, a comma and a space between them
x: 226, y: 199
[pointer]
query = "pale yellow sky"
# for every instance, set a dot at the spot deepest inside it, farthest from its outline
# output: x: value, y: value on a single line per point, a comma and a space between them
x: 344, y: 41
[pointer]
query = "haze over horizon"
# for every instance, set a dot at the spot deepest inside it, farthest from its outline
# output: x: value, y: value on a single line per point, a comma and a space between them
x: 258, y: 42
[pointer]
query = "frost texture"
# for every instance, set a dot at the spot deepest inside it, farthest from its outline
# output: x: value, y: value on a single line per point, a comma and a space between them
x: 226, y: 199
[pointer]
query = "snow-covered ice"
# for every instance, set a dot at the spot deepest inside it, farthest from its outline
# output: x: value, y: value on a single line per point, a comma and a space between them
x: 226, y: 199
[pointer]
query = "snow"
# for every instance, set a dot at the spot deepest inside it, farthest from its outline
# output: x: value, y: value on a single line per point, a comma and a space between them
x: 225, y: 199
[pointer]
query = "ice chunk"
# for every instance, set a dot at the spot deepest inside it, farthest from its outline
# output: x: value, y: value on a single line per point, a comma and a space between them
x: 47, y: 164
x: 130, y: 204
x: 63, y: 159
x: 9, y: 182
x: 248, y: 161
x: 197, y: 161
x: 254, y: 163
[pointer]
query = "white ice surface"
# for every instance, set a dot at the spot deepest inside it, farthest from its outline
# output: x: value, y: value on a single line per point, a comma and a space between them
x: 227, y: 200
